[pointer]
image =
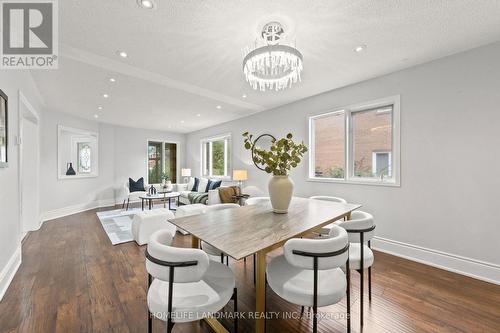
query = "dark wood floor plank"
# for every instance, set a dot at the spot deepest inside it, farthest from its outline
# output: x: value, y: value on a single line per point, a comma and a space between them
x: 73, y: 280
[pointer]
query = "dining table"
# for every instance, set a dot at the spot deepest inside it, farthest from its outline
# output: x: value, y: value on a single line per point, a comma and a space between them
x: 257, y: 230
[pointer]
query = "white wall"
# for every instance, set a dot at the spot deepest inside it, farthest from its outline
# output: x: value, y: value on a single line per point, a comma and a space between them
x: 445, y: 212
x: 122, y: 154
x: 130, y: 153
x: 62, y: 196
x: 11, y: 81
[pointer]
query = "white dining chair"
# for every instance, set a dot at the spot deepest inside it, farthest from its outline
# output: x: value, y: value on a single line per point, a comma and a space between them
x: 326, y: 229
x: 257, y: 201
x: 211, y: 250
x: 183, y: 284
x: 309, y: 272
x: 360, y: 229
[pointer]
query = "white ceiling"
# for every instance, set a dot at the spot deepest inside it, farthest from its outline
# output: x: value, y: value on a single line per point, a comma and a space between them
x: 185, y: 56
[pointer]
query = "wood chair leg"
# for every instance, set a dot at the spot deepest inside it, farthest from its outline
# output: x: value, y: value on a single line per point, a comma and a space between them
x: 254, y: 274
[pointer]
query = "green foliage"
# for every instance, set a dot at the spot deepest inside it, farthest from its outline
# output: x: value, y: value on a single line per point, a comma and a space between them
x: 335, y: 172
x: 284, y: 154
x: 218, y: 158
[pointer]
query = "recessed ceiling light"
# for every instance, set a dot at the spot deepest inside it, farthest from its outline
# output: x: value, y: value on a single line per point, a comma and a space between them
x: 105, y: 95
x: 112, y: 79
x: 148, y: 4
x: 198, y: 115
x: 360, y: 48
x: 99, y: 108
x: 244, y: 96
x: 182, y: 121
x: 219, y: 107
x: 96, y: 116
x: 122, y: 54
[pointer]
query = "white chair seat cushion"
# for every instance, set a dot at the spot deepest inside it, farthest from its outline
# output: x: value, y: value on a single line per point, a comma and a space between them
x: 210, y: 249
x: 193, y: 301
x: 355, y: 256
x: 296, y: 285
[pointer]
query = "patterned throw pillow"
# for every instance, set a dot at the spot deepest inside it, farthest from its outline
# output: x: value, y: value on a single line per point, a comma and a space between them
x: 213, y: 184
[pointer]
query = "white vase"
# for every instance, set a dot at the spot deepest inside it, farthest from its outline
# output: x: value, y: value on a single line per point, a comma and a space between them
x: 280, y: 191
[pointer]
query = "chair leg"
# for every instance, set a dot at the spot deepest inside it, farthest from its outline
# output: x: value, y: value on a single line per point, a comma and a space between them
x: 245, y: 260
x: 315, y: 296
x: 348, y: 291
x: 235, y: 299
x: 123, y: 204
x: 150, y: 323
x: 227, y: 260
x: 222, y: 258
x: 370, y: 283
x: 128, y: 202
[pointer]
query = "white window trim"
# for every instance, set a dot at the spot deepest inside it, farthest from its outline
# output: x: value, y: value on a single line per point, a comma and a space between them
x: 395, y: 180
x: 227, y: 137
x: 163, y: 142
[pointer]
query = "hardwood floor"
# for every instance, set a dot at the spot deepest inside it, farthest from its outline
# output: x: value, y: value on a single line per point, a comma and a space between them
x: 73, y: 280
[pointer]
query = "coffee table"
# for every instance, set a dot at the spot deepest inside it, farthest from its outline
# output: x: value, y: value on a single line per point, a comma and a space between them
x: 159, y: 196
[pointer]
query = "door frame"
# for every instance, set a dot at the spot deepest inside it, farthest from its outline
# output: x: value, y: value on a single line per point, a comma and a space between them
x: 32, y: 115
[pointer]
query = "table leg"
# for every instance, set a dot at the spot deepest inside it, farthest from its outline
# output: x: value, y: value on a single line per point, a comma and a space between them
x: 142, y: 203
x: 164, y: 199
x: 195, y: 242
x: 169, y: 204
x: 260, y: 293
x: 150, y: 204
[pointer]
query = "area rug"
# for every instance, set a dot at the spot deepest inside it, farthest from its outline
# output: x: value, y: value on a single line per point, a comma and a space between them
x: 117, y: 223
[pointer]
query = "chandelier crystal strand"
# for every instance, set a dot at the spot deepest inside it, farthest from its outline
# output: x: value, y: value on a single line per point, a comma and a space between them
x: 274, y: 66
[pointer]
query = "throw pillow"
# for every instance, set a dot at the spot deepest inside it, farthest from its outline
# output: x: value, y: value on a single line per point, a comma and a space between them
x: 213, y: 184
x: 202, y: 186
x: 226, y: 194
x: 190, y: 184
x: 195, y: 186
x: 136, y: 186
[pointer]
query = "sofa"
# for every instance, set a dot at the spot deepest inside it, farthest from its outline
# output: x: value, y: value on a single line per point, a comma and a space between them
x: 186, y: 189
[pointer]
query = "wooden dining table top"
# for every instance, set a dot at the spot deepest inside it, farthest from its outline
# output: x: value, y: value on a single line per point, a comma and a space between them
x: 243, y: 231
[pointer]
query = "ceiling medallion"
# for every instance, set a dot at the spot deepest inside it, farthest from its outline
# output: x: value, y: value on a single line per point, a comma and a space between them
x: 273, y: 66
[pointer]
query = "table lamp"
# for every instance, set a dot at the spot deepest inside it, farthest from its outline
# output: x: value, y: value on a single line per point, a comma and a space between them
x: 186, y: 173
x: 240, y: 176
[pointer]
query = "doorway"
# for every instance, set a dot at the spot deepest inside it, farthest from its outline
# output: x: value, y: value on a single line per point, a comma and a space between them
x: 29, y: 166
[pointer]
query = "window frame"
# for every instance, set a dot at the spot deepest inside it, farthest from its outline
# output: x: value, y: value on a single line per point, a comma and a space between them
x: 162, y: 158
x: 349, y: 177
x: 227, y: 137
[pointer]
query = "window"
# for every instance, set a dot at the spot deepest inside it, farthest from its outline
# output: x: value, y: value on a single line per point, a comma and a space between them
x: 84, y: 157
x: 357, y: 144
x: 162, y: 162
x: 215, y: 156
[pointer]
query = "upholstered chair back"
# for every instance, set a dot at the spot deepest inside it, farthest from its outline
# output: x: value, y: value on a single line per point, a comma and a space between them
x: 328, y: 198
x: 257, y: 201
x: 336, y: 241
x: 159, y: 247
x: 359, y: 221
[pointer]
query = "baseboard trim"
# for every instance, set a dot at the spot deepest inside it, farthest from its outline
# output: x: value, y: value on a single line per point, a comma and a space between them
x: 473, y: 268
x: 70, y: 210
x: 8, y: 272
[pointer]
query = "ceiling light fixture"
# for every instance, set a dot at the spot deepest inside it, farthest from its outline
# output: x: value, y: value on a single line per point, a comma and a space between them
x: 148, y: 4
x: 112, y: 79
x: 182, y: 121
x: 273, y: 65
x: 198, y: 115
x: 105, y: 95
x: 99, y: 108
x: 360, y: 48
x: 219, y: 107
x: 122, y: 54
x: 244, y: 96
x: 96, y: 116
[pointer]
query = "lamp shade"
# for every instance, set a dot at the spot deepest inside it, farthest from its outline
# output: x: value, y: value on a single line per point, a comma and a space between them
x: 240, y: 175
x: 185, y: 172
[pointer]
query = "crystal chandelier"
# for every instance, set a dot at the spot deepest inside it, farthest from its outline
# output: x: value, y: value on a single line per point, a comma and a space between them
x: 272, y: 66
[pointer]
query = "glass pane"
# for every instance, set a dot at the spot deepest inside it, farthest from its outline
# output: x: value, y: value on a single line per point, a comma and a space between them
x: 84, y: 157
x: 218, y: 167
x: 170, y: 158
x: 329, y: 146
x: 154, y: 162
x: 372, y: 142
